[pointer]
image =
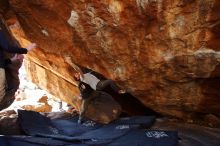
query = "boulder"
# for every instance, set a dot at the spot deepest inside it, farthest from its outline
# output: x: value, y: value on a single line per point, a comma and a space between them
x: 165, y: 53
x: 9, y: 124
x: 103, y: 108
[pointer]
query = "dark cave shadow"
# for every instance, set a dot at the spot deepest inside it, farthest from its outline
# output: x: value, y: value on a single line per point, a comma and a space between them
x: 131, y: 106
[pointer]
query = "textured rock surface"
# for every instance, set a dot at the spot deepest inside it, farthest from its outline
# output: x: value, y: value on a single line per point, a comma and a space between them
x: 165, y: 52
x: 9, y: 124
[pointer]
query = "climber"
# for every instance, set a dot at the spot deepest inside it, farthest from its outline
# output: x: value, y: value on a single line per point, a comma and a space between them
x: 5, y: 46
x: 97, y: 84
x: 91, y: 78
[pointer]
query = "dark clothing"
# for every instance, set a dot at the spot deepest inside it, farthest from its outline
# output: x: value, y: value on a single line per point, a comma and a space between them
x: 7, y: 61
x: 85, y: 90
x: 101, y: 86
x: 5, y: 46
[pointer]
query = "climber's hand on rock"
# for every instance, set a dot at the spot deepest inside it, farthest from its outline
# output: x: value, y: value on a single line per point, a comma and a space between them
x: 31, y: 46
x: 68, y: 59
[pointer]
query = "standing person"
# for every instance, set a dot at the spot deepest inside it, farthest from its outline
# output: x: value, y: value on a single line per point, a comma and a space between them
x: 5, y: 46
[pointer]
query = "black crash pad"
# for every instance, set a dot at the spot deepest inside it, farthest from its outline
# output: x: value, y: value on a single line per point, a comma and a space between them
x: 129, y: 131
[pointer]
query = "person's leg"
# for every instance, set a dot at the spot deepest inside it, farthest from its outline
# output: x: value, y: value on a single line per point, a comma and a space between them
x: 104, y: 83
x: 2, y: 83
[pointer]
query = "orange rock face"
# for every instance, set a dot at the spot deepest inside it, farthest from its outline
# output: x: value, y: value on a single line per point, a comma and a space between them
x: 166, y: 53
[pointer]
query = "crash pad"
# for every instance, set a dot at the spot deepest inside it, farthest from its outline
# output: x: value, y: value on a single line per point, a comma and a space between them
x: 129, y: 131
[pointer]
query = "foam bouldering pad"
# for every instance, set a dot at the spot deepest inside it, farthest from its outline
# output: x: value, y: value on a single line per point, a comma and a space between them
x: 147, y: 138
x: 3, y: 142
x: 129, y: 131
x: 34, y: 141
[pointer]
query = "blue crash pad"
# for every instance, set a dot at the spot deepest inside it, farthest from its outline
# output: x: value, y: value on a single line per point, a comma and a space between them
x: 129, y: 131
